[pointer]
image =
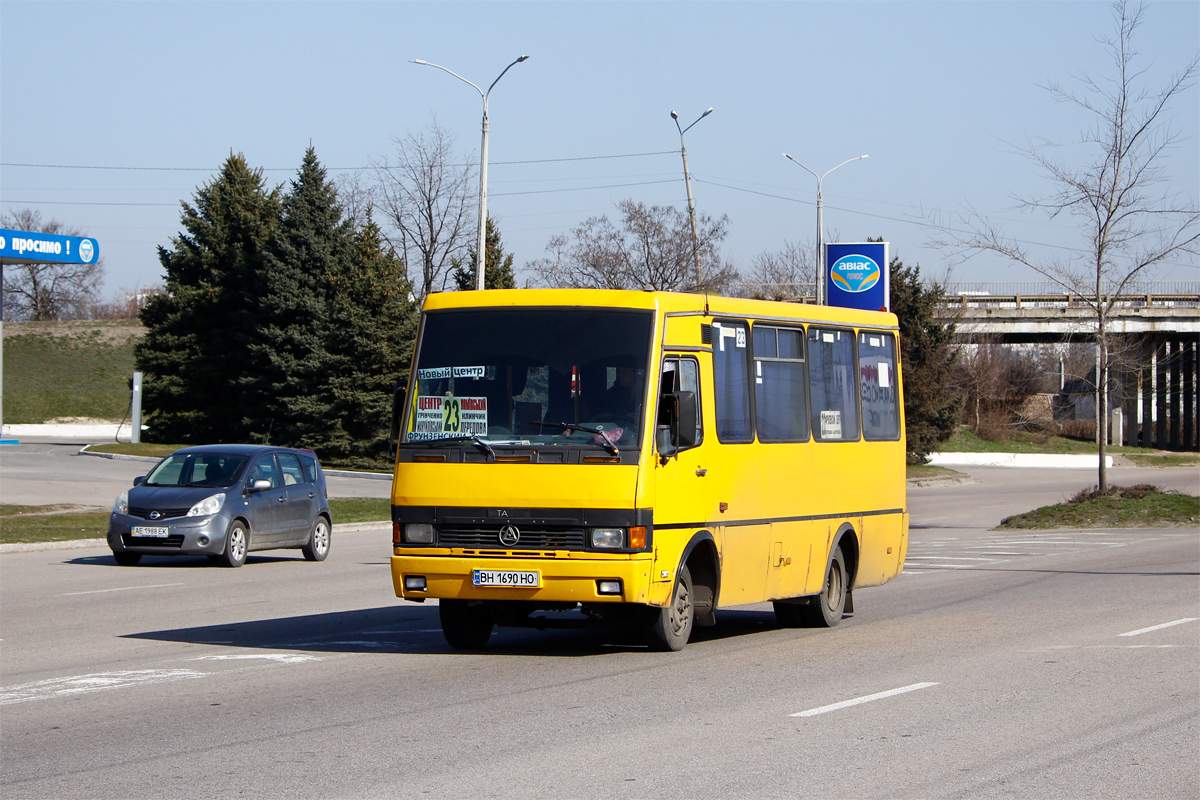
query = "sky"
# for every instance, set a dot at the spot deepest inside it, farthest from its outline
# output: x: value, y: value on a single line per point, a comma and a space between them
x: 112, y: 113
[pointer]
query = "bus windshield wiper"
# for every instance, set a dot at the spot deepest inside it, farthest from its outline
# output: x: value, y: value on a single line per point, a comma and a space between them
x: 474, y: 438
x: 570, y: 426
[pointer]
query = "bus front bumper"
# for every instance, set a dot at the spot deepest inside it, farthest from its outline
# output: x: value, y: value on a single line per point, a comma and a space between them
x: 559, y: 580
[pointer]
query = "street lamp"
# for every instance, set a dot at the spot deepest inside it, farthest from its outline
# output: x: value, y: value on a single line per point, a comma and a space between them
x: 483, y: 161
x: 821, y: 298
x: 687, y: 179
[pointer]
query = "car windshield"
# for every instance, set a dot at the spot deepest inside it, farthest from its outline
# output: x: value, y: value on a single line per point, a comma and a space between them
x: 518, y: 377
x: 197, y: 469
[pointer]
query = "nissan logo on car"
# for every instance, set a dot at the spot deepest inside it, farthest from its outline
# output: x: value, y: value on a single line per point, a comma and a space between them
x: 509, y: 535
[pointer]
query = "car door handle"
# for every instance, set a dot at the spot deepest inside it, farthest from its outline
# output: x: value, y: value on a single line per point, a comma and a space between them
x: 700, y: 473
x: 283, y: 499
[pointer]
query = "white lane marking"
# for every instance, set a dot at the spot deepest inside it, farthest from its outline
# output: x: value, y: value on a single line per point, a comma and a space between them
x: 1159, y: 627
x: 61, y: 687
x: 123, y: 589
x: 812, y: 712
x: 280, y: 658
x: 947, y: 558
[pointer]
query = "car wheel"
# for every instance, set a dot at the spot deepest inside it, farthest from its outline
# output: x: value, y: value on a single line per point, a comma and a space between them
x: 671, y: 627
x: 125, y: 558
x: 466, y: 627
x: 236, y: 542
x: 318, y: 540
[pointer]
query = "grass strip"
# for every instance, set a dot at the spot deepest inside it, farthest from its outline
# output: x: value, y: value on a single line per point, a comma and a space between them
x: 1140, y: 506
x: 27, y: 524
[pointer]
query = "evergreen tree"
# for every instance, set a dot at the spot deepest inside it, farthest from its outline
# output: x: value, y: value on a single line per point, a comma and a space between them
x: 498, y: 265
x: 931, y: 401
x: 373, y: 324
x: 197, y: 345
x: 312, y: 245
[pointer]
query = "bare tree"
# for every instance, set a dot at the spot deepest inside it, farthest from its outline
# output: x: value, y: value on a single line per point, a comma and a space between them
x: 45, y: 290
x: 653, y: 248
x: 425, y: 196
x: 787, y: 274
x: 1121, y: 195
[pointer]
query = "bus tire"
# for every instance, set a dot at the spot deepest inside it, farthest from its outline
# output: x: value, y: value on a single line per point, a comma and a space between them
x: 465, y: 627
x: 671, y: 627
x: 825, y: 610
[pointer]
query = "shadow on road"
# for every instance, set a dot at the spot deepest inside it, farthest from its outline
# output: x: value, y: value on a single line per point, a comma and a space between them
x: 410, y: 629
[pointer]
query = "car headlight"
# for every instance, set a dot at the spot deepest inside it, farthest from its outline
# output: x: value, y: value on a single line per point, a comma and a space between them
x: 608, y: 538
x: 209, y: 505
x: 418, y: 533
x: 121, y: 504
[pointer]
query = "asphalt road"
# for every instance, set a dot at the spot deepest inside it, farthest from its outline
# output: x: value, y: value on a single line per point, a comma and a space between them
x: 1001, y: 664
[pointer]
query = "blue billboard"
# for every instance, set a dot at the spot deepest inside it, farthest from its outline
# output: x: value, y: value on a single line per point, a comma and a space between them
x: 29, y: 246
x: 857, y: 275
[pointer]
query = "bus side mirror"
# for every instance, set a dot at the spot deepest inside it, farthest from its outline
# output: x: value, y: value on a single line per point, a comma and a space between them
x: 684, y: 419
x: 398, y: 395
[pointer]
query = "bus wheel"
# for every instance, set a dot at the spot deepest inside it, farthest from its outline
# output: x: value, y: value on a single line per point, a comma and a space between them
x: 465, y: 627
x: 825, y: 610
x: 671, y: 627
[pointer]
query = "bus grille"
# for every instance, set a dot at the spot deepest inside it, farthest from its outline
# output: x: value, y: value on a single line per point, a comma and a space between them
x: 532, y: 538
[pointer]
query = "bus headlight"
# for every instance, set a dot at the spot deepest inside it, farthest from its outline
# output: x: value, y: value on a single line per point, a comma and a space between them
x: 608, y: 538
x: 418, y: 533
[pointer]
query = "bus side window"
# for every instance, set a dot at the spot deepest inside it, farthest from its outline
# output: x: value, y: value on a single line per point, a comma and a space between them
x: 678, y: 375
x: 833, y: 385
x: 877, y: 377
x: 779, y: 396
x: 731, y: 379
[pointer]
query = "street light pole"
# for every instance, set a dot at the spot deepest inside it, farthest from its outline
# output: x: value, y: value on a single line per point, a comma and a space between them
x: 687, y: 179
x: 821, y: 291
x: 483, y: 163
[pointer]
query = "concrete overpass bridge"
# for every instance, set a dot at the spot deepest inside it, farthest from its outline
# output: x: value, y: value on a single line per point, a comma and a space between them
x: 1154, y: 329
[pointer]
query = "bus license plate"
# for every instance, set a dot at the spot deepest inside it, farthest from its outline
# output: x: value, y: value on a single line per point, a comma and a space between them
x: 519, y: 579
x: 157, y: 533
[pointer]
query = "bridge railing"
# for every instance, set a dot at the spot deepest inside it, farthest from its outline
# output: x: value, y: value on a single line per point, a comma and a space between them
x: 1046, y: 294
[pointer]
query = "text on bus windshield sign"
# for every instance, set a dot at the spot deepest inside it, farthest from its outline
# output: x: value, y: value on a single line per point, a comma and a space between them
x: 442, y: 417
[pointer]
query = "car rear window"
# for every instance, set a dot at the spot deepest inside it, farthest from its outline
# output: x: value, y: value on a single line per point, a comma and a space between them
x: 310, y: 469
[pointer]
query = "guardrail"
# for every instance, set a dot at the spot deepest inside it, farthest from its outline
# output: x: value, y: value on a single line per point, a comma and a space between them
x: 1044, y: 294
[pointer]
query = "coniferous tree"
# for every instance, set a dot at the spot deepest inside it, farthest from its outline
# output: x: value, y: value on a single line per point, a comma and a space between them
x: 931, y: 400
x: 197, y: 345
x: 312, y: 245
x: 498, y: 265
x: 373, y: 324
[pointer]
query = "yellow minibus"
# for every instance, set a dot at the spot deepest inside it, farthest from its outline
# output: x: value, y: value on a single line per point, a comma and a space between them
x: 645, y: 458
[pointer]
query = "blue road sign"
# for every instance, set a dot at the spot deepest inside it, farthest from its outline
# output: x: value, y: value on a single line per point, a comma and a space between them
x: 29, y: 246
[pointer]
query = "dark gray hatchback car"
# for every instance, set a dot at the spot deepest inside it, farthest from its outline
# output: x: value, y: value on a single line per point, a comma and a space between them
x: 223, y: 501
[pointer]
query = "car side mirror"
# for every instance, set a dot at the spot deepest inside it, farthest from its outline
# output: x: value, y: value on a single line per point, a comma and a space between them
x: 139, y: 480
x: 260, y: 485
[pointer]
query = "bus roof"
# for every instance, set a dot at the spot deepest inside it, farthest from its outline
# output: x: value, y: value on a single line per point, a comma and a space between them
x: 667, y: 302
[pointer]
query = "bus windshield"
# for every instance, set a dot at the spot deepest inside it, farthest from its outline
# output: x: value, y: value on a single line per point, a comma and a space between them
x: 530, y: 377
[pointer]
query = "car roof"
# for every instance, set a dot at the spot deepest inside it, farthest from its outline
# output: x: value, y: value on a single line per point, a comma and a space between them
x: 242, y: 449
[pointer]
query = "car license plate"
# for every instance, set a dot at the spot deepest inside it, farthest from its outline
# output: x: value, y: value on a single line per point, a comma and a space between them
x: 157, y: 533
x: 519, y: 579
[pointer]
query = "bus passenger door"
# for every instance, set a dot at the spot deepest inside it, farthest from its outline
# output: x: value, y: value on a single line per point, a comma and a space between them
x: 683, y: 492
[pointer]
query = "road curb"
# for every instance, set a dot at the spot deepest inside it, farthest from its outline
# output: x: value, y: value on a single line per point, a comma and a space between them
x: 83, y: 544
